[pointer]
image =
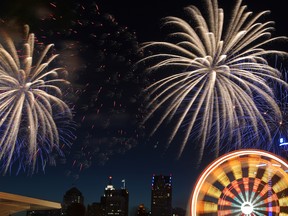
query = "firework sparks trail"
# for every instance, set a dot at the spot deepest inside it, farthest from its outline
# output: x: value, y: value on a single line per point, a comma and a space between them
x: 107, y: 105
x: 217, y: 86
x: 29, y: 103
x: 99, y: 53
x: 278, y: 127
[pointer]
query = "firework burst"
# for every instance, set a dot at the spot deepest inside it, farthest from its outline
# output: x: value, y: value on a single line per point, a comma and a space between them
x: 211, y: 78
x: 30, y: 104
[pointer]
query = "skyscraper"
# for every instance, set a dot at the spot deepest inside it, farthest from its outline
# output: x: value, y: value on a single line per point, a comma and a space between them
x: 73, y: 201
x: 161, y: 195
x: 115, y: 201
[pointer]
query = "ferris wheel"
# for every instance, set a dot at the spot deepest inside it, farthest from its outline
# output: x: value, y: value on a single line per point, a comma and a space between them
x: 243, y: 182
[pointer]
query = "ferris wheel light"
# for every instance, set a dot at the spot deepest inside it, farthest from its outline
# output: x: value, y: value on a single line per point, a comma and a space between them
x: 247, y: 208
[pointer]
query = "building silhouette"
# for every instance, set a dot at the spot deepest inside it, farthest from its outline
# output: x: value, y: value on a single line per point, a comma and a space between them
x: 141, y: 211
x: 75, y: 209
x: 56, y: 212
x: 73, y: 201
x: 161, y: 195
x: 72, y: 205
x: 115, y: 201
x: 95, y: 209
x: 178, y: 212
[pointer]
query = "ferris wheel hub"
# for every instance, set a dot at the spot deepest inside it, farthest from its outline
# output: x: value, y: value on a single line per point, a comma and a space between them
x: 247, y: 208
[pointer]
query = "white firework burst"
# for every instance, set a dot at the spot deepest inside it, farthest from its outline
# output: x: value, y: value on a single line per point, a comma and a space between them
x: 211, y: 76
x: 29, y: 103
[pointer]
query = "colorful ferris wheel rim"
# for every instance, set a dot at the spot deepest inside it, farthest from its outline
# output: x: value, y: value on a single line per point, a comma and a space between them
x: 243, y: 182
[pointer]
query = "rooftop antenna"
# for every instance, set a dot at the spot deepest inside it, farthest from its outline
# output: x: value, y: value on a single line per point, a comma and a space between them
x: 124, y: 186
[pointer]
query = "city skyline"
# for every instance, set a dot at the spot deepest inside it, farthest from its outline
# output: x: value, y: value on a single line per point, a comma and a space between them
x: 121, y: 156
x: 161, y: 198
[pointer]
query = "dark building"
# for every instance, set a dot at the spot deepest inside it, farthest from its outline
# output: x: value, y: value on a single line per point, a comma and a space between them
x: 76, y: 209
x: 73, y: 201
x: 115, y: 201
x: 178, y: 212
x: 141, y: 211
x: 161, y: 196
x: 95, y: 209
x: 56, y: 212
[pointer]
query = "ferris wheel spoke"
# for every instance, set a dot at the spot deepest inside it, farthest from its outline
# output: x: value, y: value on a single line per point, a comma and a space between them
x: 260, y: 213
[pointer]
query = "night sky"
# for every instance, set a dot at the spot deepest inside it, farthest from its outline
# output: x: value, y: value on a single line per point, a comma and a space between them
x: 110, y: 143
